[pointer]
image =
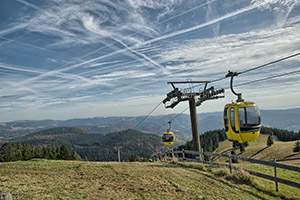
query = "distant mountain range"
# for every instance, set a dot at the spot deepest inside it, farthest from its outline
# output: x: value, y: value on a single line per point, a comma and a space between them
x: 284, y: 119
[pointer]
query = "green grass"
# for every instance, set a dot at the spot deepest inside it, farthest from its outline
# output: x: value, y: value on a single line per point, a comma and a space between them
x: 260, y: 150
x: 43, y: 179
x: 281, y: 173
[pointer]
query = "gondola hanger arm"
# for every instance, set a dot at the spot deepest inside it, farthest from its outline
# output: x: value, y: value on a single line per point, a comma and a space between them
x: 170, y: 125
x: 231, y: 75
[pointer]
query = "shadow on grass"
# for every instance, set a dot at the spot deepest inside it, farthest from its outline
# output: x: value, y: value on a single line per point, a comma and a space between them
x: 201, y: 170
x: 259, y: 151
x: 205, y: 171
x: 292, y: 156
x: 231, y: 185
x: 169, y: 165
x: 253, y: 185
x: 228, y: 150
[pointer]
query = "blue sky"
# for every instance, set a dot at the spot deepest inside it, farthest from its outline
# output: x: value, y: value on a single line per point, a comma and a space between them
x: 62, y: 59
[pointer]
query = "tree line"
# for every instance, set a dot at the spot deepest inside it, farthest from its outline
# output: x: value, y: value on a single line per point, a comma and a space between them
x: 282, y: 135
x: 20, y: 152
x: 209, y: 141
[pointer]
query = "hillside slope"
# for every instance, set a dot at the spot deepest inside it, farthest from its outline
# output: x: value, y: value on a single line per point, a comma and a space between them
x: 42, y: 179
x: 259, y: 150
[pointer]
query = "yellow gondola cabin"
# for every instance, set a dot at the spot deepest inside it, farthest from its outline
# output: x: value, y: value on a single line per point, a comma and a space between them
x: 168, y: 138
x: 242, y: 121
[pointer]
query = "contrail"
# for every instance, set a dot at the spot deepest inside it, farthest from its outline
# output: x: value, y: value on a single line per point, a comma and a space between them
x: 187, y: 11
x: 34, y: 71
x: 30, y: 45
x: 227, y: 16
x: 30, y: 5
x: 141, y: 54
x: 13, y: 29
x: 222, y: 18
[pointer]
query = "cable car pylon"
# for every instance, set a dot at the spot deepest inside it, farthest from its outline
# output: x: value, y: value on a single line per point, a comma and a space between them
x: 195, y: 99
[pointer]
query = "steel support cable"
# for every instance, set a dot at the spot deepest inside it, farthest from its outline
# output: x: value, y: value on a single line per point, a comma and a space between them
x: 267, y: 78
x: 251, y: 69
x: 148, y: 114
x: 254, y: 68
x: 270, y: 63
x: 171, y: 120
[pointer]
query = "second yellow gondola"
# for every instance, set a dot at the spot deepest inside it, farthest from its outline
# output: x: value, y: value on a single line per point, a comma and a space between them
x: 168, y: 138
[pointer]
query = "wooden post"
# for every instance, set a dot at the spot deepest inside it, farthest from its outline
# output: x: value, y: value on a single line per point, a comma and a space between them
x: 275, y: 174
x: 119, y: 155
x: 183, y: 156
x: 202, y: 156
x: 5, y: 196
x: 173, y: 156
x: 230, y: 163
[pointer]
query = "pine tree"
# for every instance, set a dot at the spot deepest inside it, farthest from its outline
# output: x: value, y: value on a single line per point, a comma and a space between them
x: 27, y: 152
x: 76, y: 156
x: 13, y: 152
x: 270, y: 140
x: 19, y: 152
x: 64, y: 153
x: 38, y: 153
x: 53, y: 153
x: 58, y: 152
x: 297, y: 147
x: 4, y: 157
x: 46, y: 152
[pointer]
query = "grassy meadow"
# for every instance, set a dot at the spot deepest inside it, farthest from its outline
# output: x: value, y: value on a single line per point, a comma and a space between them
x: 259, y: 150
x: 45, y: 179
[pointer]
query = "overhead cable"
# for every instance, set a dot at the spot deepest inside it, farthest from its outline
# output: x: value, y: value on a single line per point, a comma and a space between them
x: 254, y: 68
x: 267, y: 78
x: 148, y: 114
x: 170, y: 120
x: 222, y: 78
x: 270, y: 63
x: 246, y: 83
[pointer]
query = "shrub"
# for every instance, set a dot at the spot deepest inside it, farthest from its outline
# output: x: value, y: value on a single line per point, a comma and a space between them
x: 296, y: 147
x: 134, y: 158
x: 234, y: 160
x: 240, y: 177
x: 223, y: 172
x: 270, y: 140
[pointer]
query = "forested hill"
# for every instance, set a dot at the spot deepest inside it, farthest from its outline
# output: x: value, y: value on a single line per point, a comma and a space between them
x: 284, y: 119
x: 56, y: 132
x: 96, y: 147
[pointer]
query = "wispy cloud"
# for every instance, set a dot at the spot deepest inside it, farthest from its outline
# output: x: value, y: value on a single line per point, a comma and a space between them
x: 234, y: 52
